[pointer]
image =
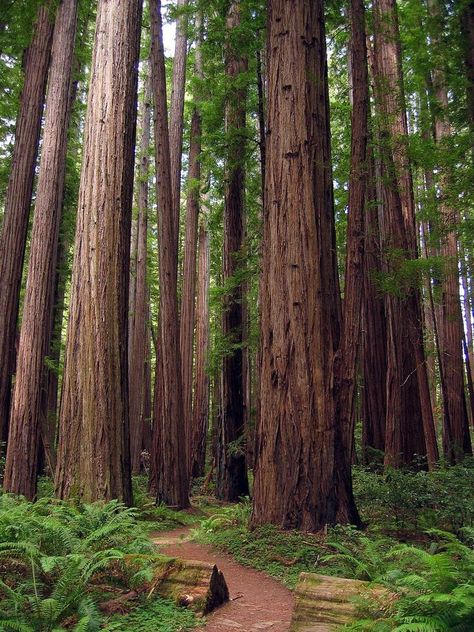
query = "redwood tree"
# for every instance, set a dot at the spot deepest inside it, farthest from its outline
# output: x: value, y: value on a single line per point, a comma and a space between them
x: 36, y: 326
x: 295, y: 457
x: 409, y: 424
x: 456, y: 438
x: 93, y: 450
x: 139, y: 377
x: 231, y: 467
x: 18, y: 199
x: 169, y: 446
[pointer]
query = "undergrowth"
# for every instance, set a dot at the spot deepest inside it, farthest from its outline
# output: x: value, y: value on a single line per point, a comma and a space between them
x: 62, y: 563
x: 419, y: 543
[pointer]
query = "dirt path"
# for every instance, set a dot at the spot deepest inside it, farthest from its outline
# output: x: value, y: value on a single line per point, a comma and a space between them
x: 258, y: 602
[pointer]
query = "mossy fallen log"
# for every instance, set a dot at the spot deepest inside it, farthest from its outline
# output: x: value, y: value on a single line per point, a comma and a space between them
x: 197, y: 585
x: 324, y: 603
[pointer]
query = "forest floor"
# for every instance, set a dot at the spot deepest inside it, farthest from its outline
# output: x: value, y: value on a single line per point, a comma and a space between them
x: 257, y: 602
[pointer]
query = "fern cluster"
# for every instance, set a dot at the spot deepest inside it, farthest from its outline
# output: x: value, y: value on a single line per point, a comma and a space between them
x: 52, y: 552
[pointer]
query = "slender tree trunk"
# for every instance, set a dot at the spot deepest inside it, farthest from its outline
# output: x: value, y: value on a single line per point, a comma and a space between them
x: 295, y: 481
x: 188, y: 301
x: 172, y: 478
x: 94, y: 442
x: 456, y: 437
x: 139, y: 363
x: 231, y: 467
x: 201, y: 380
x: 18, y: 200
x: 410, y: 427
x: 25, y: 419
x: 349, y: 350
x: 177, y: 110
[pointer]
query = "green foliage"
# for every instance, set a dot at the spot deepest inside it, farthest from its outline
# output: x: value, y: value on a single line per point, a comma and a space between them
x: 159, y: 615
x: 52, y: 555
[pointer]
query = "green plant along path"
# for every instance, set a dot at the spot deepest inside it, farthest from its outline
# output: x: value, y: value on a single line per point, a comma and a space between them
x: 60, y: 562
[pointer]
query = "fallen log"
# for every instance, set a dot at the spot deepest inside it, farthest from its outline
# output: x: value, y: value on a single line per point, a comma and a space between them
x: 324, y: 603
x: 197, y: 585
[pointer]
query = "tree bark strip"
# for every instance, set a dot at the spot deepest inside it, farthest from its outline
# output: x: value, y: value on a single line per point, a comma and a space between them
x: 172, y: 474
x: 18, y: 200
x: 232, y: 480
x: 94, y: 442
x: 35, y: 336
x: 139, y: 362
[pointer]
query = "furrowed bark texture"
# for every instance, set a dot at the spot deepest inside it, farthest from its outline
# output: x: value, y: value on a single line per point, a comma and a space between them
x: 201, y: 380
x: 349, y: 350
x: 18, y: 199
x: 35, y: 336
x: 177, y: 110
x: 94, y: 447
x: 188, y: 301
x: 231, y: 467
x: 172, y: 474
x: 295, y: 461
x: 409, y: 425
x: 139, y: 346
x: 456, y: 437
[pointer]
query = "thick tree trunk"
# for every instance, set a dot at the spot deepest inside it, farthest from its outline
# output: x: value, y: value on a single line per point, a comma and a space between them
x: 172, y: 475
x: 456, y: 437
x: 409, y: 426
x: 188, y: 301
x: 295, y: 484
x: 139, y: 360
x: 201, y: 380
x: 349, y: 350
x: 94, y: 446
x: 35, y: 336
x: 18, y: 200
x: 231, y: 467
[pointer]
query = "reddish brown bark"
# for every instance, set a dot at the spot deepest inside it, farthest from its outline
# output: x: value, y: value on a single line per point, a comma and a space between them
x: 349, y: 350
x: 409, y: 425
x: 456, y: 437
x: 25, y: 418
x: 231, y: 467
x: 201, y: 380
x: 172, y: 473
x: 295, y: 483
x: 139, y: 346
x: 177, y: 109
x: 94, y: 448
x: 18, y: 199
x: 188, y: 301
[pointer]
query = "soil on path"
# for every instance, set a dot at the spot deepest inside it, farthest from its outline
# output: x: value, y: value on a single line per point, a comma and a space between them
x: 257, y: 602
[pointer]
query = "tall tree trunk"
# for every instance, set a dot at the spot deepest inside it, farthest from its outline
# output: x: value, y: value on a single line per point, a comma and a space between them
x: 456, y: 437
x: 25, y: 422
x: 177, y: 110
x: 94, y: 442
x: 139, y: 363
x: 201, y: 380
x: 188, y: 301
x: 349, y: 350
x: 231, y: 466
x: 409, y: 426
x: 18, y: 200
x: 295, y: 483
x: 172, y: 476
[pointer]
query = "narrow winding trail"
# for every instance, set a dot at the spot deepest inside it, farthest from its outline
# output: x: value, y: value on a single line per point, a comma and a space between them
x: 257, y: 602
